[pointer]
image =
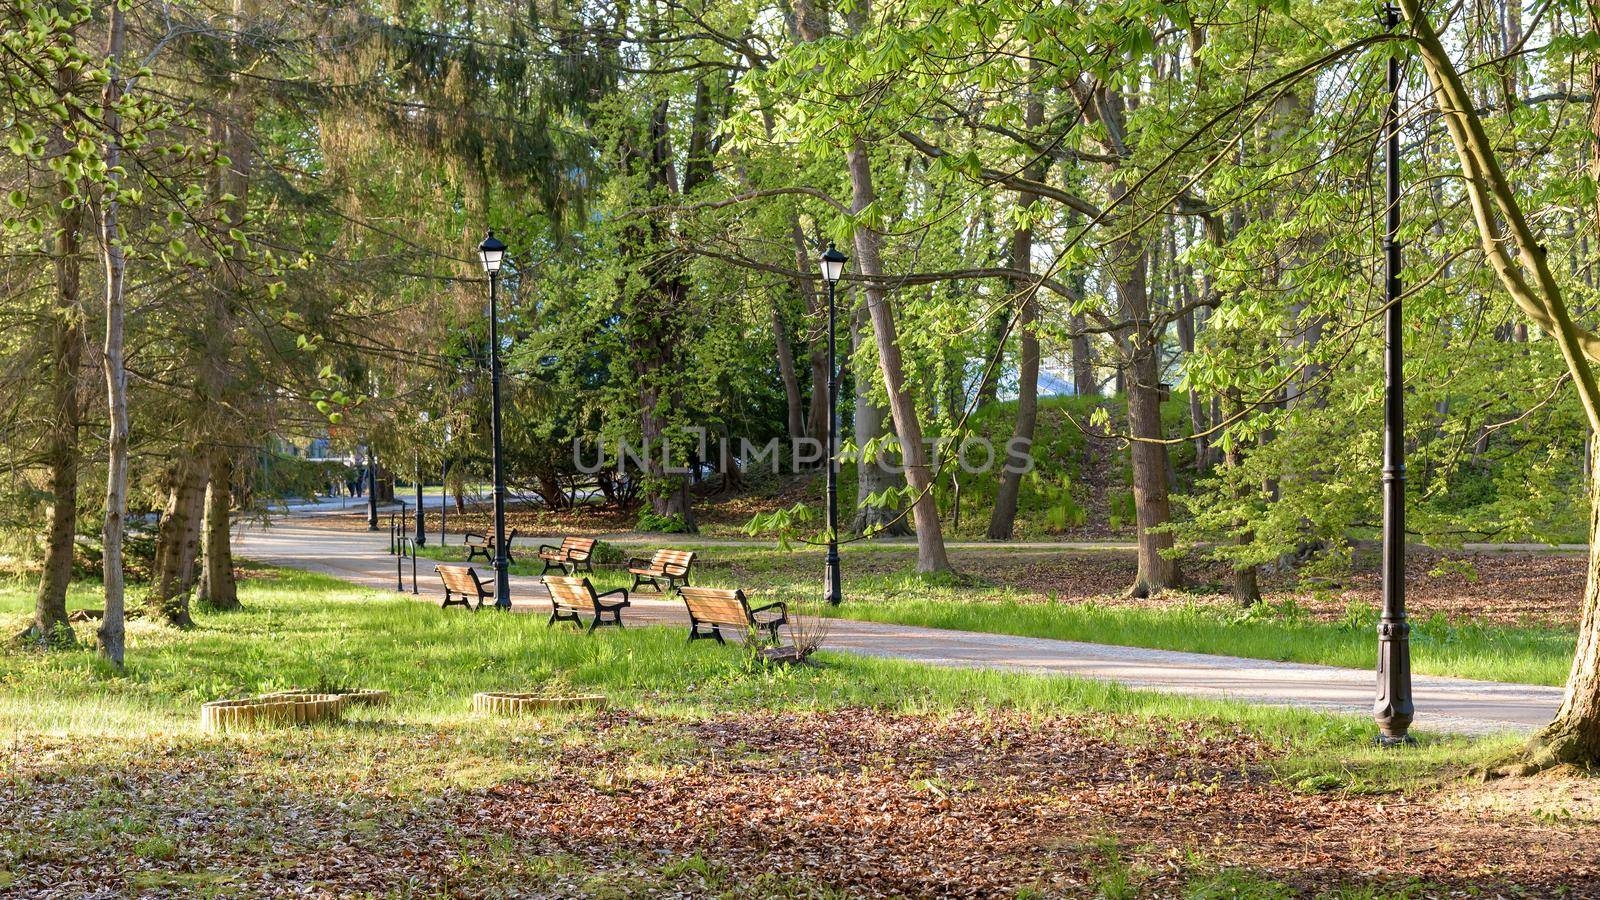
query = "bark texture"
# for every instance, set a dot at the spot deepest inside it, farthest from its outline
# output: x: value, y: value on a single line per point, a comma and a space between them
x: 61, y: 443
x: 1512, y: 250
x: 177, y: 540
x: 931, y: 555
x: 1002, y: 521
x: 111, y: 633
x: 872, y: 476
x: 218, y: 588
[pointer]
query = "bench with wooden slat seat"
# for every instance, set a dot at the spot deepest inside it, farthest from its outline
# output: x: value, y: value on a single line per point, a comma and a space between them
x: 483, y: 545
x: 673, y: 565
x: 570, y: 595
x: 462, y: 585
x: 716, y: 608
x: 573, y: 553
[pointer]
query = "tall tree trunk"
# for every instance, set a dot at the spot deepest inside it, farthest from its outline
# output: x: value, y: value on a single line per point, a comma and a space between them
x: 872, y: 476
x: 1246, y: 588
x: 786, y: 371
x: 61, y: 449
x: 1574, y: 735
x: 218, y: 588
x: 177, y: 539
x: 1002, y: 521
x: 989, y: 385
x: 919, y: 477
x: 1084, y: 383
x: 111, y: 633
x: 817, y: 339
x: 1151, y: 504
x: 1513, y: 251
x: 1197, y: 415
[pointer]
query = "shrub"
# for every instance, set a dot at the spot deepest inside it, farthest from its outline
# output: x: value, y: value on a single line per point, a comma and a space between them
x: 650, y: 521
x: 607, y: 554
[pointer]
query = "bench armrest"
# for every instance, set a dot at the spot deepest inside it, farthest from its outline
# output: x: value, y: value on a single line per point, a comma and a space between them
x: 781, y: 604
x: 544, y: 547
x: 469, y: 535
x: 638, y: 561
x: 622, y: 591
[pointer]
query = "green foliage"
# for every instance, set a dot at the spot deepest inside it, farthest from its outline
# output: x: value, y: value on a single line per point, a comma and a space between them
x: 661, y: 524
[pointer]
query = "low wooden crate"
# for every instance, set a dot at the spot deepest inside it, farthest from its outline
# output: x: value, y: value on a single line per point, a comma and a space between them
x: 502, y: 703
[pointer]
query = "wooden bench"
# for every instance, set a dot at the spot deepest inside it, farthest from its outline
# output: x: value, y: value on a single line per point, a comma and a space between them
x: 572, y: 553
x: 463, y: 581
x: 570, y: 595
x: 483, y: 545
x: 715, y: 608
x: 673, y: 565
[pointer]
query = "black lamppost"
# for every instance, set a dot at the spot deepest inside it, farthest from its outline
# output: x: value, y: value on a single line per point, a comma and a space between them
x: 372, y: 491
x: 1393, y: 709
x: 493, y: 252
x: 832, y: 269
x: 422, y: 536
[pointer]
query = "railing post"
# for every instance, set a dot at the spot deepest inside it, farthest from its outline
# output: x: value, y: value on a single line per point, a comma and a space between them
x: 399, y: 579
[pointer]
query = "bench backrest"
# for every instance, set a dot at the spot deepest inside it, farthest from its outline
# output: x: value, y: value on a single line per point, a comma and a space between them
x: 577, y: 548
x: 675, y: 561
x: 716, y: 606
x: 574, y: 593
x: 461, y: 579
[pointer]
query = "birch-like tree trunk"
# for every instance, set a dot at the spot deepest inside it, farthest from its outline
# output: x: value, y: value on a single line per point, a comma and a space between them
x: 111, y: 633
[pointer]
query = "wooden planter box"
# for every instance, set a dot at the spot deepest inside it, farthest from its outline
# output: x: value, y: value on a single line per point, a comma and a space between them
x: 512, y: 704
x: 241, y: 715
x: 359, y: 696
x: 279, y: 708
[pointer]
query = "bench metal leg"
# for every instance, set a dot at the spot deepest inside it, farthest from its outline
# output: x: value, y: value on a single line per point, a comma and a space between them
x: 695, y: 634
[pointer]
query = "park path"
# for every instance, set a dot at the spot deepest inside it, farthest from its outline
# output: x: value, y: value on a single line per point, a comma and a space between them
x: 330, y: 507
x: 1443, y: 704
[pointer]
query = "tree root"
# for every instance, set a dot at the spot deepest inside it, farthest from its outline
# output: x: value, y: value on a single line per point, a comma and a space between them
x: 62, y: 637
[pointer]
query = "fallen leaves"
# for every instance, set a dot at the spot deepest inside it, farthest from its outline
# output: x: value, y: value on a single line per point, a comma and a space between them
x: 864, y: 802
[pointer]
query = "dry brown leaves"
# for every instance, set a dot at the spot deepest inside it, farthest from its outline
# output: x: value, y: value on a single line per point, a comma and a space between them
x: 981, y: 806
x: 864, y: 802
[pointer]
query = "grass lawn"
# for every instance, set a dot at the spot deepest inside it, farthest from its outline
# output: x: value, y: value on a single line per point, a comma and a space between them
x: 880, y: 586
x: 710, y: 774
x: 1528, y: 655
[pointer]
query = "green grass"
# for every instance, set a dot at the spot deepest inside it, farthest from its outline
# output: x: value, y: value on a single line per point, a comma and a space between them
x: 1522, y: 654
x: 303, y: 630
x: 881, y: 587
x: 121, y: 739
